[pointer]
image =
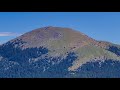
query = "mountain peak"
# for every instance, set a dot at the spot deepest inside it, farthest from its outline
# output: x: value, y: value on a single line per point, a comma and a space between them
x: 56, y: 51
x: 52, y: 36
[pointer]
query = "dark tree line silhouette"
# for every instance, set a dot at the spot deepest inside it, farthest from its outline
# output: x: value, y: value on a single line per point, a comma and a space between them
x: 115, y: 50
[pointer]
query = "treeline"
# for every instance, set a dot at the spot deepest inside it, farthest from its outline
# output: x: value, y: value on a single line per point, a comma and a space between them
x: 46, y: 67
x: 36, y: 70
x: 98, y: 69
x: 115, y: 50
x: 16, y: 54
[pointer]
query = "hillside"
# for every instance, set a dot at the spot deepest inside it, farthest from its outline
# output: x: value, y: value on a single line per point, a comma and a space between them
x: 58, y: 52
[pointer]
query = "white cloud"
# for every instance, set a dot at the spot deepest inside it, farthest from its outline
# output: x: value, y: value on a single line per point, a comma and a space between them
x: 2, y: 34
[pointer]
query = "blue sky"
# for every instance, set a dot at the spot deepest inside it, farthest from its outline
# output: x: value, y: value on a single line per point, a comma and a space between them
x: 98, y: 25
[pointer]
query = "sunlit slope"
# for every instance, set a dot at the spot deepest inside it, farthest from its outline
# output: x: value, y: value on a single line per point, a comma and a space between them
x: 60, y: 41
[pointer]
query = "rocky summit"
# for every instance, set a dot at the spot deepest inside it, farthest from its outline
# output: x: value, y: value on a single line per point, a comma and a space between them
x: 57, y: 52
